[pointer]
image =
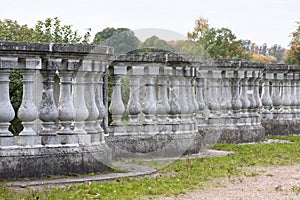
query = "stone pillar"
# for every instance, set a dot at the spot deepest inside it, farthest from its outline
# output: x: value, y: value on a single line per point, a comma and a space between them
x: 286, y: 112
x: 66, y: 111
x: 28, y: 112
x: 7, y: 112
x: 245, y: 100
x: 134, y: 107
x: 266, y: 97
x: 236, y: 98
x: 174, y: 97
x: 100, y: 101
x: 48, y: 112
x: 252, y: 99
x: 294, y: 98
x: 297, y: 94
x: 226, y: 104
x: 213, y: 102
x: 201, y: 103
x: 276, y: 97
x: 149, y: 105
x: 163, y: 107
x: 258, y: 107
x: 117, y: 107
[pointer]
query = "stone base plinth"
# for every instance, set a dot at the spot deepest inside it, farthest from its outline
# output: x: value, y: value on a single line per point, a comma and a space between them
x: 154, y: 146
x: 45, y: 161
x: 281, y: 127
x: 240, y: 134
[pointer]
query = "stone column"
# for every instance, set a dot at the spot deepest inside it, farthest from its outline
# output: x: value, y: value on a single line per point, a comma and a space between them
x: 226, y: 104
x: 265, y: 97
x: 286, y: 112
x: 81, y: 111
x: 66, y: 111
x: 276, y: 97
x: 100, y: 101
x: 7, y: 112
x: 28, y: 111
x: 252, y: 99
x: 149, y: 105
x: 213, y: 102
x: 163, y: 107
x: 134, y: 107
x: 201, y: 103
x: 258, y: 107
x: 174, y: 97
x: 117, y: 107
x: 244, y: 99
x: 48, y: 112
x: 294, y: 100
x: 236, y: 98
x: 297, y: 94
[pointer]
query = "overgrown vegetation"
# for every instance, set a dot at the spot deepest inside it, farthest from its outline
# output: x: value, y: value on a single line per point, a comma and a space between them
x: 178, y: 177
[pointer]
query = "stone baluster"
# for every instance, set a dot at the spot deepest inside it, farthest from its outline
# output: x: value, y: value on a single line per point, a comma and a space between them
x: 294, y: 100
x: 28, y: 111
x: 66, y: 111
x: 117, y: 107
x: 149, y: 105
x: 276, y: 97
x: 99, y: 101
x: 90, y: 100
x: 236, y: 98
x: 193, y: 92
x: 48, y: 112
x: 245, y: 100
x: 252, y: 99
x: 81, y: 111
x: 297, y: 94
x: 200, y: 100
x: 258, y: 107
x: 226, y: 104
x: 134, y: 107
x: 7, y: 112
x: 189, y: 92
x: 174, y: 96
x: 163, y: 107
x: 213, y: 102
x: 182, y: 96
x: 286, y: 112
x: 266, y: 97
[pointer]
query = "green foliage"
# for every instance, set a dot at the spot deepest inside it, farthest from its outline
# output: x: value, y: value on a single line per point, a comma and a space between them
x: 218, y: 43
x: 193, y: 48
x: 222, y: 43
x: 122, y: 39
x: 179, y: 177
x: 293, y: 56
x: 155, y: 43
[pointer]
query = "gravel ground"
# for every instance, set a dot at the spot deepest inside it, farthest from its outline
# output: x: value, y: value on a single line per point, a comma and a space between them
x: 280, y: 183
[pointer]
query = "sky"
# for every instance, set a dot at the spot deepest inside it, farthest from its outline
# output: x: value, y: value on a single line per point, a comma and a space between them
x: 261, y: 21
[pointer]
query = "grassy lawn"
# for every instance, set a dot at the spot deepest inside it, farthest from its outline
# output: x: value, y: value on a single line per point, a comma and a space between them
x: 177, y: 178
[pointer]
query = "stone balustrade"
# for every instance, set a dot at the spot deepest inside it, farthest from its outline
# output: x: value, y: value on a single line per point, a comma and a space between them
x: 160, y: 105
x: 61, y: 110
x: 281, y: 99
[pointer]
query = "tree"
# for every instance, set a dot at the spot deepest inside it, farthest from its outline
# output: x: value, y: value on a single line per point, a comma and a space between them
x: 156, y: 43
x: 201, y: 26
x: 293, y: 55
x: 277, y: 51
x: 218, y: 43
x: 222, y: 43
x: 122, y: 39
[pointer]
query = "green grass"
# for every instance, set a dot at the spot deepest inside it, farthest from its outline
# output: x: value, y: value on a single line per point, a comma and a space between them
x: 178, y: 177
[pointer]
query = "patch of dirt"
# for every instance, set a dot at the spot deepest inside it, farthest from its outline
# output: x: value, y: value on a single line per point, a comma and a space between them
x: 260, y: 183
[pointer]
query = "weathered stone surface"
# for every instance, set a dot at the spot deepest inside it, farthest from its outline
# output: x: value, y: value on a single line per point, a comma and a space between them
x: 55, y: 160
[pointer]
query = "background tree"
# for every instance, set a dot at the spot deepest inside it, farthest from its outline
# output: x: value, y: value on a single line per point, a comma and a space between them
x: 218, y: 43
x: 293, y: 55
x: 122, y: 39
x: 157, y: 43
x: 277, y: 51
